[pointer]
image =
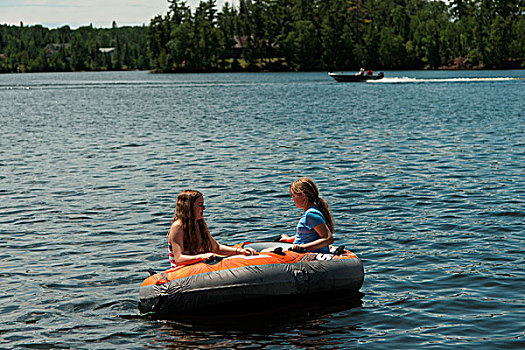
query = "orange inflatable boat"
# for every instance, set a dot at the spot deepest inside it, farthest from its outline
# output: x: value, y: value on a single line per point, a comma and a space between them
x: 274, y: 272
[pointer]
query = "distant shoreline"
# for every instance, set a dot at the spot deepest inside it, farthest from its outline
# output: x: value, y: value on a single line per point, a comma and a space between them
x: 265, y: 71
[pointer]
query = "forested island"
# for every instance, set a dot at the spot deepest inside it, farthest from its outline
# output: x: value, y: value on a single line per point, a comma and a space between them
x: 284, y: 35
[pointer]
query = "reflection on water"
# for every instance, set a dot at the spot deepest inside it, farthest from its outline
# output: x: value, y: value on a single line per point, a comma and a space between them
x: 269, y: 315
x: 303, y: 323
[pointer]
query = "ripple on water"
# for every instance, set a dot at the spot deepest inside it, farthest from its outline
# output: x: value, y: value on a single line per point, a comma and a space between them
x: 425, y: 180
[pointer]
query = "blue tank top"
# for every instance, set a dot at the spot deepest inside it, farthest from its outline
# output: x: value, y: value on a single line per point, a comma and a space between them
x: 305, y: 228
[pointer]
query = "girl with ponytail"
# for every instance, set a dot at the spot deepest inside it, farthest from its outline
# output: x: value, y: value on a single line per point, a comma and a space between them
x: 316, y: 226
x: 189, y: 240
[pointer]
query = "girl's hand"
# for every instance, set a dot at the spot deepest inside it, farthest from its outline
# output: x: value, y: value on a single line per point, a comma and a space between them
x: 251, y: 251
x: 285, y: 238
x: 205, y: 256
x: 247, y: 251
x: 298, y: 248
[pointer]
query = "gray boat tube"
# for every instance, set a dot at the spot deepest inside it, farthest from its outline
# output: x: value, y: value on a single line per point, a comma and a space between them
x: 275, y: 272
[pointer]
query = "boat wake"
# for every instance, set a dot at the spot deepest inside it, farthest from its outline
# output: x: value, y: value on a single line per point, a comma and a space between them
x: 402, y: 80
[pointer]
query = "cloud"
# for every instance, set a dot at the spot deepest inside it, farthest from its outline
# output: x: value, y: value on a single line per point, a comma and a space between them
x: 76, y: 13
x: 28, y: 4
x: 100, y: 13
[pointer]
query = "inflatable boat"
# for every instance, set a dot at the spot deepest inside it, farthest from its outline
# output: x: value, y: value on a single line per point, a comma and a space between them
x: 274, y: 273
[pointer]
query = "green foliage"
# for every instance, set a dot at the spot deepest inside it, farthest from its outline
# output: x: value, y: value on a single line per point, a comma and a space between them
x: 345, y: 34
x: 39, y: 49
x: 284, y: 35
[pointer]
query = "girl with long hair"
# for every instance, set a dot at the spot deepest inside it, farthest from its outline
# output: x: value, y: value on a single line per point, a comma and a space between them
x: 316, y: 226
x: 189, y: 240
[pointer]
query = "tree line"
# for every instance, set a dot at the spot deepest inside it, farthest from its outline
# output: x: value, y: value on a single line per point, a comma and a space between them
x: 40, y: 49
x: 339, y: 35
x: 285, y: 35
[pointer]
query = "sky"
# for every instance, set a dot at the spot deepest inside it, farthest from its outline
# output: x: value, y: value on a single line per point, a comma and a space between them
x: 77, y: 13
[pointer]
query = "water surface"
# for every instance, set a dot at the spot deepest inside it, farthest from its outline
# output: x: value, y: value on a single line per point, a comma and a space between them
x: 423, y: 171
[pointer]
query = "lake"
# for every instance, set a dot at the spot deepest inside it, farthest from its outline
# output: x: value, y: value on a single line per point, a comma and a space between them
x: 423, y: 170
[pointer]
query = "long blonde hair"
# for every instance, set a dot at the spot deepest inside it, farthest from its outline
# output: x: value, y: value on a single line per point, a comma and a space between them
x: 196, y: 238
x: 309, y: 188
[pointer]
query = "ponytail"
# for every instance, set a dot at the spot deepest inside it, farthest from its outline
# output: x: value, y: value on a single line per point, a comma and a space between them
x: 325, y: 210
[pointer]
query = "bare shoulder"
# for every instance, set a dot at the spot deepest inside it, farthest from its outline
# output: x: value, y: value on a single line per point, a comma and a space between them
x: 177, y: 223
x: 176, y: 227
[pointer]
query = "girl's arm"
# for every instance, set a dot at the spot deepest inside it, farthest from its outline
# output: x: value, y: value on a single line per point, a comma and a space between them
x: 326, y: 238
x: 222, y: 249
x: 176, y: 239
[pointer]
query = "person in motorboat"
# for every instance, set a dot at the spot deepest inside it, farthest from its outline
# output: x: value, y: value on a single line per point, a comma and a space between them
x: 361, y: 72
x: 189, y: 239
x: 316, y: 226
x: 370, y: 72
